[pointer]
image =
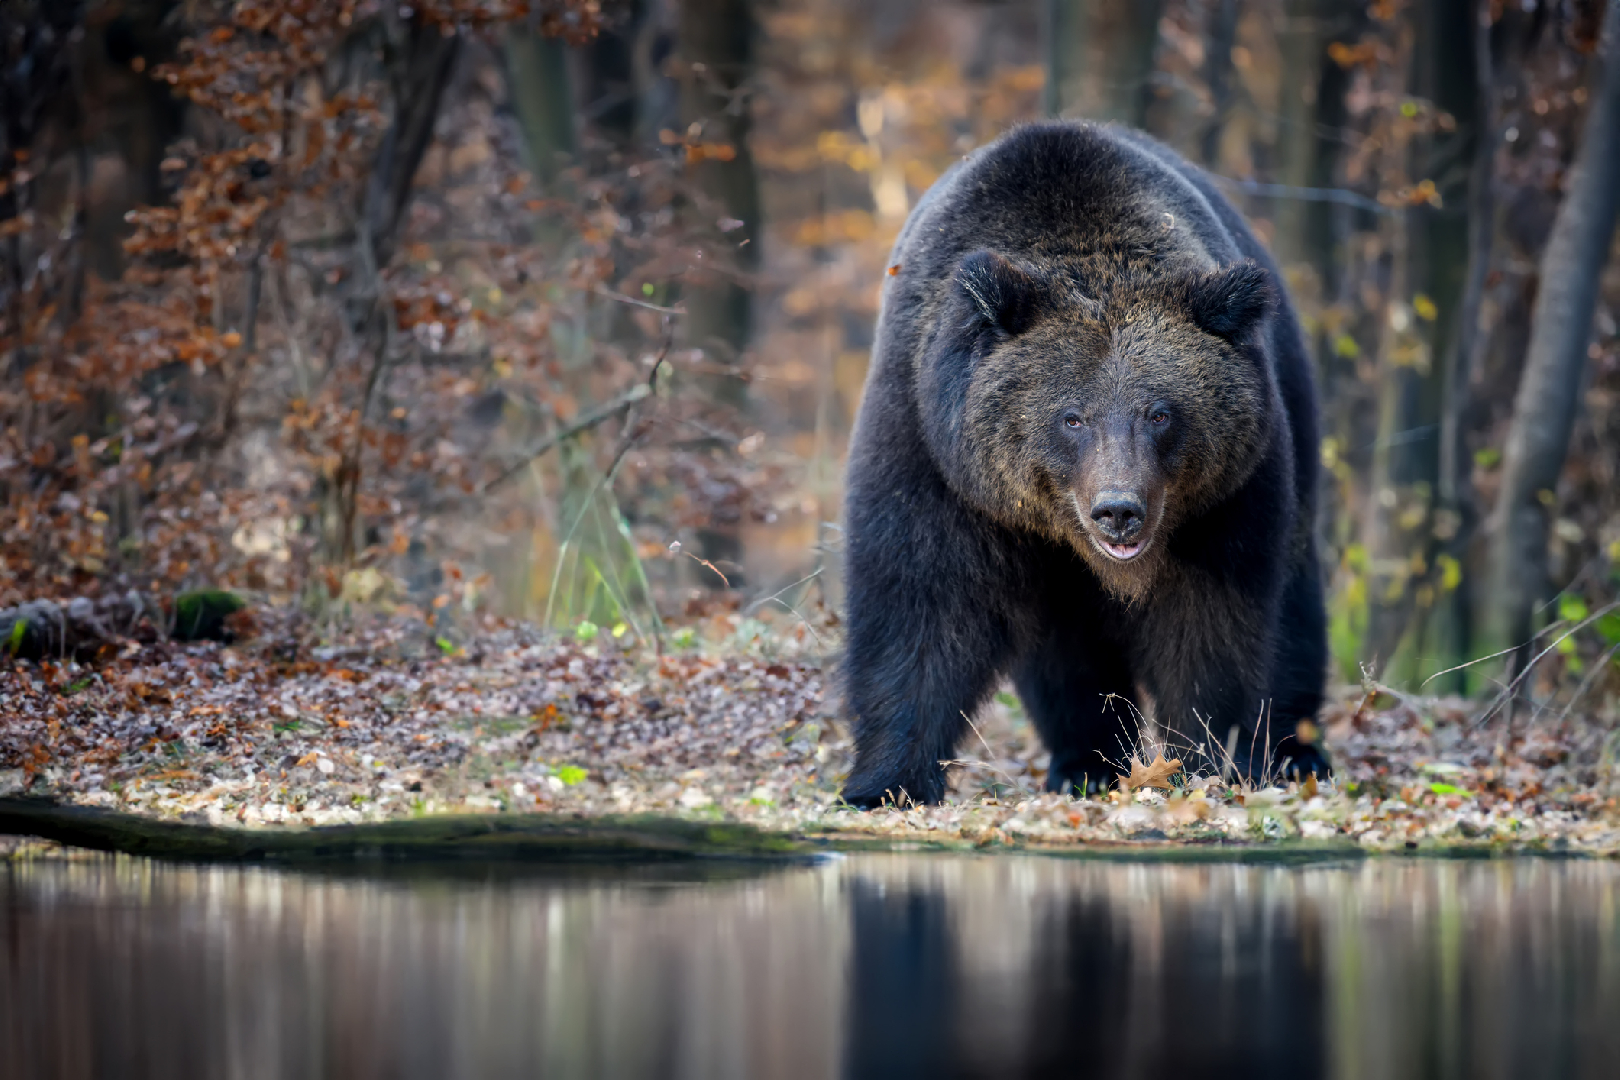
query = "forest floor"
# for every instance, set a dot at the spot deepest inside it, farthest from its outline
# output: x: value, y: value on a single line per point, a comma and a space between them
x: 383, y: 722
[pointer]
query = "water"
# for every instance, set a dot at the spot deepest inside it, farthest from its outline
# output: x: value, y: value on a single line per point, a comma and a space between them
x: 891, y: 966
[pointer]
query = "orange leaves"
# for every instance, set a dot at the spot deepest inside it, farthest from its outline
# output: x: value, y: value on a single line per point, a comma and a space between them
x: 425, y: 306
x: 840, y: 227
x: 696, y: 148
x: 710, y: 152
x: 547, y: 717
x: 194, y: 459
x: 844, y: 148
x: 1366, y: 54
x: 1423, y: 193
x: 216, y: 211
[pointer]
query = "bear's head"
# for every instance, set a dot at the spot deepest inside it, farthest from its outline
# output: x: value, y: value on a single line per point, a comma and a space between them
x: 1099, y: 409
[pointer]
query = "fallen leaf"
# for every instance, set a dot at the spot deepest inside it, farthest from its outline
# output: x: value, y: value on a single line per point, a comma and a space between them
x: 1155, y: 775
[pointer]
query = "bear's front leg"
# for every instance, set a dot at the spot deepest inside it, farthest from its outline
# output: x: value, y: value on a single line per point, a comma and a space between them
x: 932, y: 617
x: 916, y: 669
x: 1216, y: 695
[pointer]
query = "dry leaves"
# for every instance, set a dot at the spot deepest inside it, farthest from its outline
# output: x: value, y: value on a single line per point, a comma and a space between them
x: 1156, y: 775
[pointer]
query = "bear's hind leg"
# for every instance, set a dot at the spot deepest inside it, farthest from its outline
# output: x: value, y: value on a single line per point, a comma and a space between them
x: 1078, y: 693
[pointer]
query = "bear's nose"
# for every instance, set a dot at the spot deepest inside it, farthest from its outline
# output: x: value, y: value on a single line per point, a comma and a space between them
x: 1119, y: 515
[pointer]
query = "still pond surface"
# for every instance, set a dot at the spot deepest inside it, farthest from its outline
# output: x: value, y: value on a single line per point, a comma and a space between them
x: 880, y: 966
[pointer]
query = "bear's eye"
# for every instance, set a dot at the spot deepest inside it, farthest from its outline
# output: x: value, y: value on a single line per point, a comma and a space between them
x: 1159, y: 416
x: 1071, y: 421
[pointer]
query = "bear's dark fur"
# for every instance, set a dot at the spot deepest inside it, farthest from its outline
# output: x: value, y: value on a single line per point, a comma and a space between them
x: 1086, y: 458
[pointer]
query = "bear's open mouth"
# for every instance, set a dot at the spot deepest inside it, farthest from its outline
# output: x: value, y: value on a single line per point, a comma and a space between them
x: 1121, y: 551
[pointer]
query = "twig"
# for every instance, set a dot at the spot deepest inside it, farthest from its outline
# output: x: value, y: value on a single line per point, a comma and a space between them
x: 1011, y: 782
x: 682, y: 551
x: 589, y: 420
x: 1480, y: 660
x: 1586, y: 683
x: 1306, y: 194
x: 977, y: 732
x: 596, y: 416
x: 1512, y: 687
x: 776, y: 597
x: 603, y: 290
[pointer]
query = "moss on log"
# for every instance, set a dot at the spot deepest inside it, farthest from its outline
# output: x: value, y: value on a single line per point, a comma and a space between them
x: 557, y: 839
x: 487, y: 837
x: 200, y: 615
x: 43, y: 629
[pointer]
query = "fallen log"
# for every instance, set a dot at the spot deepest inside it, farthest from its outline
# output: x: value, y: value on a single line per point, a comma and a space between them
x: 462, y: 837
x: 82, y: 627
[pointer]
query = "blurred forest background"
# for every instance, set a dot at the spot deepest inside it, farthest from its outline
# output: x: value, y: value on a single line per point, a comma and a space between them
x: 561, y: 310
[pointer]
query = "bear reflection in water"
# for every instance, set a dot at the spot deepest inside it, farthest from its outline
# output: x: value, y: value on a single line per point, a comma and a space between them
x: 1239, y: 996
x: 1001, y: 966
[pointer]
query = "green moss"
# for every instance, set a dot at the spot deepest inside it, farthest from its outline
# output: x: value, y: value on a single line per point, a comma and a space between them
x: 520, y: 837
x: 200, y: 615
x: 19, y: 633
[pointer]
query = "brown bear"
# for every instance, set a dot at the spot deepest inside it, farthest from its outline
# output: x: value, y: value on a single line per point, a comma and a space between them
x: 1086, y: 458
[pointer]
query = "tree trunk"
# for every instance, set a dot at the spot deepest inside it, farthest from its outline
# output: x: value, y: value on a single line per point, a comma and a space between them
x: 537, y: 72
x: 421, y: 60
x: 609, y: 82
x: 1222, y: 33
x: 1451, y: 629
x: 1303, y: 44
x: 1432, y: 252
x: 1101, y: 58
x: 1544, y: 408
x: 419, y: 77
x: 714, y: 39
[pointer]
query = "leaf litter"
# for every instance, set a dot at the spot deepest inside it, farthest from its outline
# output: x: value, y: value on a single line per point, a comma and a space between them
x: 382, y: 721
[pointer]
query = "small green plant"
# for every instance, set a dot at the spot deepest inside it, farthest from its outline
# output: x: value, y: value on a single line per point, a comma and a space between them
x: 684, y: 638
x: 19, y: 631
x: 586, y: 631
x: 446, y: 646
x: 1007, y: 698
x: 570, y: 774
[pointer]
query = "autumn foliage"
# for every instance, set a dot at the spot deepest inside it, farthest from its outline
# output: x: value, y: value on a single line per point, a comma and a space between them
x: 281, y: 360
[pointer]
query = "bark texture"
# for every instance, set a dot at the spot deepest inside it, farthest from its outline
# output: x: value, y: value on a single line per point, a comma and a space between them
x: 714, y: 39
x: 537, y: 68
x: 1101, y: 58
x: 1549, y: 390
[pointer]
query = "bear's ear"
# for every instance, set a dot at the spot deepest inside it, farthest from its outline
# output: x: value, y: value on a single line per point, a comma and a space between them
x: 1229, y: 301
x: 1002, y: 295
